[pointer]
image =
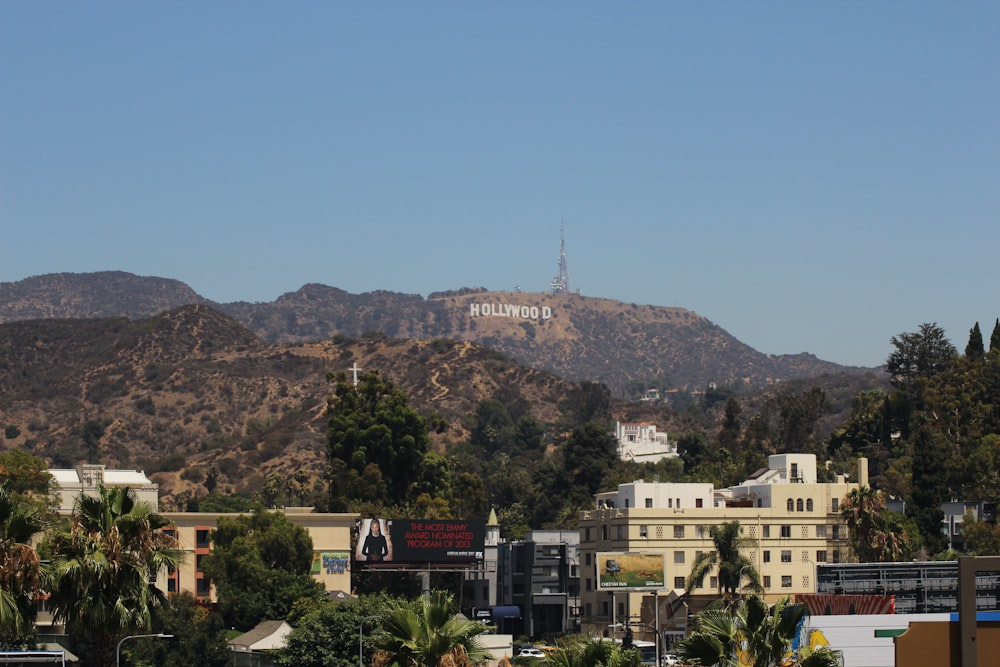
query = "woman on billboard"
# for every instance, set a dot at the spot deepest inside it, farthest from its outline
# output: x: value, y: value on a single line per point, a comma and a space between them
x: 377, y: 546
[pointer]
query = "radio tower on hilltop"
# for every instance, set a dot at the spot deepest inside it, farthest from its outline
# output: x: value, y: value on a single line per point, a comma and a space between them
x: 560, y: 284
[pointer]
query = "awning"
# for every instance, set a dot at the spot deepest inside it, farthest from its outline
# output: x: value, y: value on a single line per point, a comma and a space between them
x: 506, y: 612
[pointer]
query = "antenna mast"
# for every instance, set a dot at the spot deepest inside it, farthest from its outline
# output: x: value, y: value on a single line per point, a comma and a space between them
x: 560, y: 284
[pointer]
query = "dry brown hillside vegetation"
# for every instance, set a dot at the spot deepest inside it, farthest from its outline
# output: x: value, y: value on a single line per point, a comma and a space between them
x: 190, y: 389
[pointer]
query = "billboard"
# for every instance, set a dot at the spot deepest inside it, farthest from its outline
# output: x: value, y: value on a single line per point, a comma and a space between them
x: 406, y: 541
x: 630, y: 571
x: 330, y: 562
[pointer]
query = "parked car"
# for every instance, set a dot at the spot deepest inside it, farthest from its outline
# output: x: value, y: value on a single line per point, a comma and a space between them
x: 669, y: 659
x: 531, y: 653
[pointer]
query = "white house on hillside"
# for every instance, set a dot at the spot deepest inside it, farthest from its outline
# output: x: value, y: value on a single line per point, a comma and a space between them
x: 640, y: 442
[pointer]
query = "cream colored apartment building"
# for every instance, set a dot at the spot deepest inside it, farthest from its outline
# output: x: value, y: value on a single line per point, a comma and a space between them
x: 794, y: 519
x: 330, y: 534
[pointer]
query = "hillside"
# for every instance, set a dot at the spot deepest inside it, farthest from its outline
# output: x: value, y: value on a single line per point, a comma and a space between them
x: 191, y: 388
x: 574, y: 336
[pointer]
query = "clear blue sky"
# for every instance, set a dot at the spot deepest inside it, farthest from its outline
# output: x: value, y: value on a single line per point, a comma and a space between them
x: 810, y: 176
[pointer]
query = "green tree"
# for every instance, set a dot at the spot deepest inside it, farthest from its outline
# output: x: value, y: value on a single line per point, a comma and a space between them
x: 428, y: 633
x: 260, y: 565
x: 103, y: 561
x: 974, y: 350
x: 929, y: 488
x: 27, y: 475
x: 373, y: 438
x: 328, y: 635
x: 752, y: 634
x: 980, y: 537
x: 22, y: 572
x: 199, y: 636
x: 589, y: 454
x: 876, y: 534
x: 921, y: 354
x: 586, y: 402
x: 732, y: 565
x: 995, y: 336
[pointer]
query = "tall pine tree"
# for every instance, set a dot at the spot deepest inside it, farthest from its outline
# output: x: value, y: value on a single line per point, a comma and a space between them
x: 974, y: 350
x: 995, y: 337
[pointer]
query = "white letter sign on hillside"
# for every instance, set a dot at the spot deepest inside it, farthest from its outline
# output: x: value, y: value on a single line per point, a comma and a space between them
x: 510, y: 310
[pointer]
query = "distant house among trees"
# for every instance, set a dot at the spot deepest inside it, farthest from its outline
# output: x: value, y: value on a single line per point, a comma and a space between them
x: 640, y: 442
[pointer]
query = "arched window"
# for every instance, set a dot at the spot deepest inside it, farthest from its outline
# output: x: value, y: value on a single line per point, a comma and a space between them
x: 809, y: 504
x: 791, y: 505
x: 798, y: 505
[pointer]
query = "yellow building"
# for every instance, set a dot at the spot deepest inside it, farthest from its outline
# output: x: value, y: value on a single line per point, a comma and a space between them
x: 330, y: 533
x: 794, y: 519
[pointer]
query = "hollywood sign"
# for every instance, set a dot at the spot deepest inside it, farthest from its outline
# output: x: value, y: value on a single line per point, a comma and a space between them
x: 510, y: 310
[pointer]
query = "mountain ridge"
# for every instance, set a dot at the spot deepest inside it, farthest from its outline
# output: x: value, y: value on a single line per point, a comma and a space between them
x: 582, y: 338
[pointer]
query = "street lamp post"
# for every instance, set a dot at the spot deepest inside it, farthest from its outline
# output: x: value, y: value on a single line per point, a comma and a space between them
x: 118, y: 649
x: 361, y: 639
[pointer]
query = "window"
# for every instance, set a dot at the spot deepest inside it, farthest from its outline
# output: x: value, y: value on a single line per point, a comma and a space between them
x: 171, y: 585
x: 587, y: 609
x: 713, y: 582
x: 649, y: 502
x: 786, y: 555
x: 678, y: 505
x: 821, y: 556
x: 588, y: 584
x: 643, y: 531
x: 821, y: 531
x: 767, y: 531
x: 836, y: 505
x: 795, y: 472
x: 786, y: 581
x: 197, y: 560
x: 586, y: 558
x: 767, y: 556
x: 626, y: 503
x: 679, y: 582
x: 836, y: 555
x: 621, y: 609
x: 202, y: 588
x: 698, y: 502
x: 620, y: 532
x: 586, y: 535
x: 605, y: 608
x: 836, y: 532
x: 678, y: 557
x: 799, y: 505
x: 790, y: 505
x: 786, y: 531
x: 201, y: 538
x: 678, y: 531
x: 604, y: 532
x: 809, y: 504
x: 767, y: 581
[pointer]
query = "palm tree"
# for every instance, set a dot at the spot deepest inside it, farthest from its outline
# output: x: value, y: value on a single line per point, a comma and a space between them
x: 103, y: 563
x: 876, y: 534
x: 594, y: 652
x: 22, y: 572
x: 752, y: 634
x: 733, y: 566
x: 428, y: 634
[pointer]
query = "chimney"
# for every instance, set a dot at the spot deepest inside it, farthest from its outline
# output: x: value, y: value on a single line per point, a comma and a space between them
x: 862, y: 471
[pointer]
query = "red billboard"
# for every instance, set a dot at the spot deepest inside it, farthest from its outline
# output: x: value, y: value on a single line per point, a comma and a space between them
x: 414, y: 541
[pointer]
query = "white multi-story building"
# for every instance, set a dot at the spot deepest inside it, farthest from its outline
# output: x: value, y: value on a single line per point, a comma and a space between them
x: 85, y: 480
x: 794, y: 519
